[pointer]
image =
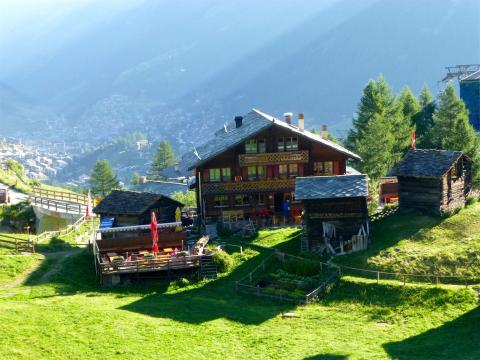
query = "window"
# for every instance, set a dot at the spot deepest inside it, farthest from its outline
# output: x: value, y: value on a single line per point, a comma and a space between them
x: 260, y: 199
x: 226, y: 174
x: 241, y: 200
x: 221, y: 201
x: 214, y: 174
x: 251, y: 146
x: 281, y: 144
x: 292, y: 170
x: 252, y: 172
x: 323, y: 168
x: 291, y: 144
x: 283, y: 171
x: 262, y: 146
x: 256, y: 172
x: 261, y: 172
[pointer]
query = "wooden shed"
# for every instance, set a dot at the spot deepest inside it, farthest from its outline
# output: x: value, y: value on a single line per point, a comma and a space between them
x: 433, y: 181
x: 133, y: 208
x: 335, y: 212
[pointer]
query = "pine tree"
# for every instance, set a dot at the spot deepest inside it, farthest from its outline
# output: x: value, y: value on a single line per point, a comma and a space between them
x: 163, y: 158
x: 377, y: 99
x: 376, y: 147
x: 135, y: 178
x: 423, y: 120
x: 452, y: 129
x: 402, y: 121
x: 103, y: 179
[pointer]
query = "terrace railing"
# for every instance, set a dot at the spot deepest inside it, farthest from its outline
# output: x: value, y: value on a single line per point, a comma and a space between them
x: 246, y: 187
x: 59, y: 205
x: 273, y: 158
x: 146, y: 265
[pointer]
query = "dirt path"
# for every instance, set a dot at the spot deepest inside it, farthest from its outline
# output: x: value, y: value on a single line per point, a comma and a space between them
x: 17, y: 285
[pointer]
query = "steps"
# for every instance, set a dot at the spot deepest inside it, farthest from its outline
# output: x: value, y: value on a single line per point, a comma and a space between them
x: 208, y: 269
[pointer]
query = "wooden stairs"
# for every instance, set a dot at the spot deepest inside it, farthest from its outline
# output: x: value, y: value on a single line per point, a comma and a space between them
x: 208, y: 269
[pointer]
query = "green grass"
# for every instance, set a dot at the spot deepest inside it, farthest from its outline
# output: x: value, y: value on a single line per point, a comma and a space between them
x: 413, y: 243
x: 64, y: 314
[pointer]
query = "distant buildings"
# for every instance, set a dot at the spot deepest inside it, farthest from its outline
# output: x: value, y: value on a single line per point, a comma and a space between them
x: 470, y: 94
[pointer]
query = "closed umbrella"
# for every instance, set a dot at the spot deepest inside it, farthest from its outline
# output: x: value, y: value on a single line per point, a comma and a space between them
x: 154, y: 232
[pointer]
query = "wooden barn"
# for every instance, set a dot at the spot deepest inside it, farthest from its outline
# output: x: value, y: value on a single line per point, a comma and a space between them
x: 433, y: 181
x: 335, y: 212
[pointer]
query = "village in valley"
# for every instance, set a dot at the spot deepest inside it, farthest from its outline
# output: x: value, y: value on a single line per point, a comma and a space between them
x: 274, y: 237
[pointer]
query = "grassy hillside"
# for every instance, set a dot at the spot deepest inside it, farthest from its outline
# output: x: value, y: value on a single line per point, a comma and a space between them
x: 414, y: 243
x: 209, y: 320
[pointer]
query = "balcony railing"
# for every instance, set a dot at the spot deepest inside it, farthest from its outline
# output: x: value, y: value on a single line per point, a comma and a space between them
x: 273, y: 158
x: 244, y: 187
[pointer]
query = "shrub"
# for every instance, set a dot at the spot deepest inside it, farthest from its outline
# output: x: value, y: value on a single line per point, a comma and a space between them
x: 223, y: 230
x: 471, y: 200
x: 223, y: 261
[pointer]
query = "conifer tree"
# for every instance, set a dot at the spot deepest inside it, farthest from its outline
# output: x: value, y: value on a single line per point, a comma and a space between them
x: 376, y: 147
x: 452, y: 129
x: 163, y: 158
x: 423, y: 120
x: 135, y: 178
x: 103, y: 179
x: 402, y: 121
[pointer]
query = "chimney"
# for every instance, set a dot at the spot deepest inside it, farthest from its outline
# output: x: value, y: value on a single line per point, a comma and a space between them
x: 324, y: 132
x: 301, y: 122
x: 288, y: 118
x: 238, y: 121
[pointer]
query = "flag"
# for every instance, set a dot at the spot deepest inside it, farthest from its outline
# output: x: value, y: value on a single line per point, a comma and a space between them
x: 154, y: 231
x: 414, y: 140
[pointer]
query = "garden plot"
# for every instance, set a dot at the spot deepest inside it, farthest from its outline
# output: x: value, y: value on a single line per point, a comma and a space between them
x: 289, y: 278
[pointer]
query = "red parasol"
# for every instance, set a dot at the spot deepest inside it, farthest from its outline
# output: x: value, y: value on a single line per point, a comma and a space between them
x: 154, y: 232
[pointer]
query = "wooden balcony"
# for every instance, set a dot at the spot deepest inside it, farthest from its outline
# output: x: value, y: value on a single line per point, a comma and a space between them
x: 245, y: 187
x: 288, y: 157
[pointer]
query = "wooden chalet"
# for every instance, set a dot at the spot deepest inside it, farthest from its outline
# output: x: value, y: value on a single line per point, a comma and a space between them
x: 124, y: 244
x: 433, y: 181
x: 335, y: 213
x: 249, y: 167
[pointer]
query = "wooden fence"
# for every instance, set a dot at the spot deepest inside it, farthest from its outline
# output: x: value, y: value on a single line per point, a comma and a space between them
x: 59, y: 205
x: 60, y: 195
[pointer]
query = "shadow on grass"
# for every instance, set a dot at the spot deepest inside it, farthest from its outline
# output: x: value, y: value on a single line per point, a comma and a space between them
x: 327, y: 357
x: 214, y: 300
x: 457, y: 339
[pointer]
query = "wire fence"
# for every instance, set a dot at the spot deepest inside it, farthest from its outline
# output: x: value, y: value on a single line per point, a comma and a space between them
x: 250, y: 284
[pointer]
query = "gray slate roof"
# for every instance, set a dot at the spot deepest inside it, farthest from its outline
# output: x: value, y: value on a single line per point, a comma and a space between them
x: 331, y: 187
x: 121, y: 202
x: 253, y: 122
x: 166, y: 188
x: 426, y: 163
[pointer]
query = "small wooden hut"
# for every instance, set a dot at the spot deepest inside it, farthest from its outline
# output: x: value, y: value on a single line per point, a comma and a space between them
x: 336, y: 214
x: 433, y: 181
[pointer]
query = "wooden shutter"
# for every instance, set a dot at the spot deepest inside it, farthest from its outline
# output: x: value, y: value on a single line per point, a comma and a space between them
x: 336, y: 168
x: 301, y: 169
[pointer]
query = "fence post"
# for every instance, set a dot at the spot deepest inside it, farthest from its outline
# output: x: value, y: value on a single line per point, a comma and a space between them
x: 378, y: 277
x: 436, y: 281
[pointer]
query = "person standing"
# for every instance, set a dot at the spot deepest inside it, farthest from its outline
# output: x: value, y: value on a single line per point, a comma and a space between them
x: 286, y: 211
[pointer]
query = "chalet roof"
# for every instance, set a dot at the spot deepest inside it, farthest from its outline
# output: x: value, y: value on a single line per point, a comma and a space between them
x: 121, y: 202
x: 331, y: 187
x: 426, y: 163
x: 166, y: 188
x: 253, y: 122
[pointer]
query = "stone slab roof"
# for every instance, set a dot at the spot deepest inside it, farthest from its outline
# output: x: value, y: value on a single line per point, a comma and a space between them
x: 331, y: 187
x: 253, y: 122
x: 121, y: 202
x: 426, y: 163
